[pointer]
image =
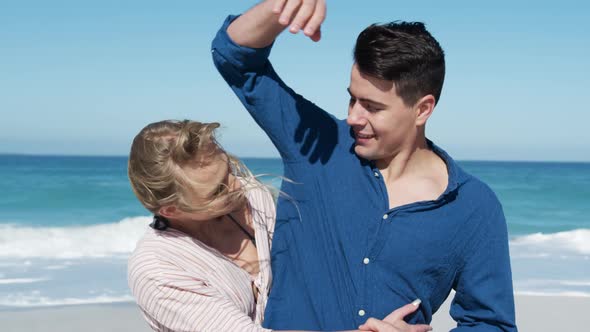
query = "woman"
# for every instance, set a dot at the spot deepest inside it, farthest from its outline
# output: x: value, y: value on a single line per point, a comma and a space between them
x: 204, y: 264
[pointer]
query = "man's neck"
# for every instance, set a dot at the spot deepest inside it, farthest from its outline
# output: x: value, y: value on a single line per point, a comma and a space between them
x: 409, y: 159
x: 414, y: 174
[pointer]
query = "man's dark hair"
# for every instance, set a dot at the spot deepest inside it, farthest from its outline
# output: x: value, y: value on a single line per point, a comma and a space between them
x: 405, y: 53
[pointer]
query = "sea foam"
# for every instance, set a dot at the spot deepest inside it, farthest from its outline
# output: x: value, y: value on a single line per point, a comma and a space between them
x: 565, y: 244
x: 27, y: 301
x: 103, y: 240
x: 120, y: 238
x: 21, y: 281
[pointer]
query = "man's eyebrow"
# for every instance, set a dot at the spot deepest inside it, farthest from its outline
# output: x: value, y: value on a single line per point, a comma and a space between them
x: 366, y: 100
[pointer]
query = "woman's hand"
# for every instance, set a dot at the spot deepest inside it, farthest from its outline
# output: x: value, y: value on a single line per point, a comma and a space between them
x: 394, y: 322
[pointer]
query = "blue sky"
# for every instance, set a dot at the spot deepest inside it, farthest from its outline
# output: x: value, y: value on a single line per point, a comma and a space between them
x: 81, y: 77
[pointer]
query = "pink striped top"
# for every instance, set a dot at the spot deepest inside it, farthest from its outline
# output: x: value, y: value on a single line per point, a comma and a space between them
x: 181, y: 284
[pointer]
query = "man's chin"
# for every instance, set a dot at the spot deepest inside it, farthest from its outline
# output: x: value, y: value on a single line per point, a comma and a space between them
x: 363, y: 152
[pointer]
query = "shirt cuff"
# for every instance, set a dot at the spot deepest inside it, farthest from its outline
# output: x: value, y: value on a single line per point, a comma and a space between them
x: 241, y: 57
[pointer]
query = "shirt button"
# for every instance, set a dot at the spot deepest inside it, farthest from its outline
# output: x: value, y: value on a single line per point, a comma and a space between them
x: 361, y: 312
x: 366, y: 260
x: 385, y: 216
x: 376, y: 174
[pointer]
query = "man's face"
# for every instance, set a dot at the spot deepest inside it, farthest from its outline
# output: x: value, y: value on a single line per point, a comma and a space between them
x: 380, y: 121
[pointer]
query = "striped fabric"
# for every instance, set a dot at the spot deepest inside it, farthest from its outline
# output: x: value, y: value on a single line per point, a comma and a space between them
x: 181, y: 284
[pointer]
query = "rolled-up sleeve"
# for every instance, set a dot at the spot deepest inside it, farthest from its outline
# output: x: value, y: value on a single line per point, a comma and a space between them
x: 284, y: 115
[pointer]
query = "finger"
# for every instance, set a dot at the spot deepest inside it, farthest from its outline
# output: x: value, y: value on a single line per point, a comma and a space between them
x: 364, y: 328
x: 306, y: 10
x: 315, y: 22
x: 401, y: 325
x: 317, y: 35
x: 288, y: 11
x: 421, y: 328
x: 402, y: 312
x: 278, y: 6
x: 373, y: 324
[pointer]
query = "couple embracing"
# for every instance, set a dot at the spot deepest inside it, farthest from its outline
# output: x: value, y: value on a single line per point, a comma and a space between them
x: 374, y: 227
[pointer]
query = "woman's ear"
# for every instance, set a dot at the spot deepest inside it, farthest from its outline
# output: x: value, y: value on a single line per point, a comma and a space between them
x: 168, y: 211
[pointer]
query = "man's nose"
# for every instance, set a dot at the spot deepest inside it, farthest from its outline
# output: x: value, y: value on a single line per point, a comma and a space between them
x: 356, y: 115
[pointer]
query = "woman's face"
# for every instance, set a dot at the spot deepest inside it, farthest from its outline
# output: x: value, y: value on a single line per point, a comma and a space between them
x: 213, y: 184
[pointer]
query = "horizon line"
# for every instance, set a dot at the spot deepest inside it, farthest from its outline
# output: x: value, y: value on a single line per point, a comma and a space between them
x: 9, y: 154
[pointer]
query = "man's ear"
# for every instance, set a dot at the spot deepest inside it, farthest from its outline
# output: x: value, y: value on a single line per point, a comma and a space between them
x: 424, y: 108
x: 168, y: 211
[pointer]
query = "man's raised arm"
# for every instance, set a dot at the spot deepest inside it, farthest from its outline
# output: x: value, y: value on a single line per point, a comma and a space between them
x: 259, y: 26
x: 240, y: 51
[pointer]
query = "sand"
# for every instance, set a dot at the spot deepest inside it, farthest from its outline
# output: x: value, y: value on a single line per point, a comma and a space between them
x: 534, y: 313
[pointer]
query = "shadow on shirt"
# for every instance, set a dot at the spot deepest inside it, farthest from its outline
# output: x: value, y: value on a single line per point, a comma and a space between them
x: 316, y: 133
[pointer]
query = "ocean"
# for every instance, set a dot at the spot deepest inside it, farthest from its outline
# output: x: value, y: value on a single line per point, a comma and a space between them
x: 68, y: 224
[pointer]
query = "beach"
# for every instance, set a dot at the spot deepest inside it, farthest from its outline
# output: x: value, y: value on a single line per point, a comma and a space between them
x: 534, y: 313
x: 81, y: 80
x: 71, y: 222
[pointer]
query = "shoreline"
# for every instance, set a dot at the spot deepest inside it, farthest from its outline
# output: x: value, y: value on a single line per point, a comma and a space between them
x: 533, y: 313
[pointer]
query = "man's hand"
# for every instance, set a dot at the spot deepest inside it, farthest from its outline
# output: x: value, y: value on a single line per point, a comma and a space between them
x: 394, y: 322
x: 306, y: 15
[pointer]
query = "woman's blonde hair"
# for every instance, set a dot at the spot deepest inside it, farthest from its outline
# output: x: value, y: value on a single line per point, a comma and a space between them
x: 161, y: 150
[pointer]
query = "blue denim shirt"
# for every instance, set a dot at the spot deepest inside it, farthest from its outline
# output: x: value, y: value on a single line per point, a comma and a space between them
x: 339, y: 254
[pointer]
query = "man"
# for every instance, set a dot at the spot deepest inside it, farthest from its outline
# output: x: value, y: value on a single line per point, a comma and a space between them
x: 376, y: 215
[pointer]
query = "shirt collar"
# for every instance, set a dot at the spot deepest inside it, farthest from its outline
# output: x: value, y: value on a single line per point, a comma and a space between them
x: 457, y: 177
